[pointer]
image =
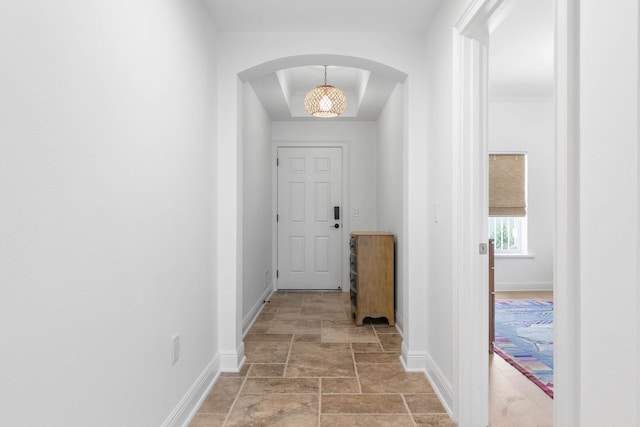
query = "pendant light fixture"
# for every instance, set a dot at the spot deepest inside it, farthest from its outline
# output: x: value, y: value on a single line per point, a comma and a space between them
x: 325, y: 100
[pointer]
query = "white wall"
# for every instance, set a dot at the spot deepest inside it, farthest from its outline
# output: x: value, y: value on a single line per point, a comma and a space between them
x: 528, y: 125
x: 438, y: 305
x: 389, y: 182
x: 609, y: 296
x: 106, y: 182
x: 256, y: 205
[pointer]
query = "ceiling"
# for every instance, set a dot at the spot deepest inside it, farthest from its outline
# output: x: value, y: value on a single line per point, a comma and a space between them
x: 521, y: 52
x: 325, y: 16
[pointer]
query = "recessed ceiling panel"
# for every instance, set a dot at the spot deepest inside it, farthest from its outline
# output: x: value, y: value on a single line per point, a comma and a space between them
x: 282, y: 93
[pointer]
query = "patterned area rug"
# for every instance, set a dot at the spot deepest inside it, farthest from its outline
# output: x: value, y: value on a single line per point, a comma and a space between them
x: 524, y: 338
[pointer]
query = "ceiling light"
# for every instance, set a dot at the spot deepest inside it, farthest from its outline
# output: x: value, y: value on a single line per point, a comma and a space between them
x: 325, y: 100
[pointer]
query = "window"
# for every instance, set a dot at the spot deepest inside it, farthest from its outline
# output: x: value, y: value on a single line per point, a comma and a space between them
x: 507, y: 202
x: 509, y: 234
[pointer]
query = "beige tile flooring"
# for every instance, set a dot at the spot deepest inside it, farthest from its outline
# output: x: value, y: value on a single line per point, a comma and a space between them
x: 309, y: 365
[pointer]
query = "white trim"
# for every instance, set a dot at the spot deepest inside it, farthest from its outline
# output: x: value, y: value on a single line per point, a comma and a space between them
x: 523, y: 286
x: 521, y: 99
x: 233, y: 362
x: 251, y: 317
x: 514, y: 256
x: 456, y: 211
x: 413, y: 361
x: 346, y: 200
x: 440, y: 384
x: 482, y: 16
x: 566, y: 271
x: 470, y: 217
x: 192, y: 400
x: 399, y: 325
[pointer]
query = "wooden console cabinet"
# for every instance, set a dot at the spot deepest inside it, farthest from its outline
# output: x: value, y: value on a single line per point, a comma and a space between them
x: 372, y: 276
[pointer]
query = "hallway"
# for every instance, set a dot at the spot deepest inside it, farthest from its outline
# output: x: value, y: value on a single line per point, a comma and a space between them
x: 309, y: 365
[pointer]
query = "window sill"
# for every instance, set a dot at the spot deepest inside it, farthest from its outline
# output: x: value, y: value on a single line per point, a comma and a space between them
x: 531, y: 256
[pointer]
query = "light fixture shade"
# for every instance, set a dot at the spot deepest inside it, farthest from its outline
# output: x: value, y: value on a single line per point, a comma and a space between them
x: 325, y: 101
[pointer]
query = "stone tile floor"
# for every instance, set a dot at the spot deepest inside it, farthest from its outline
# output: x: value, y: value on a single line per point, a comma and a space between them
x: 309, y: 365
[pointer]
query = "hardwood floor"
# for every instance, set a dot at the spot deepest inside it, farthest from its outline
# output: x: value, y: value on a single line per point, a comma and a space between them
x: 514, y: 401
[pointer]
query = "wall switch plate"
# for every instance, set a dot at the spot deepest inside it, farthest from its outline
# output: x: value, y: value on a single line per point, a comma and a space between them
x: 483, y: 249
x: 175, y: 349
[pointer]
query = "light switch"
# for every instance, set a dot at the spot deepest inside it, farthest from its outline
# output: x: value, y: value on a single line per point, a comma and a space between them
x: 356, y: 212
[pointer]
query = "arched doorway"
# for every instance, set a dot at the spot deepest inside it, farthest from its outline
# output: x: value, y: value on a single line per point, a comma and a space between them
x: 229, y: 227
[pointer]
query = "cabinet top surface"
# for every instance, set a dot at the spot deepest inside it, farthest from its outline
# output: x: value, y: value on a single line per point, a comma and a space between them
x: 371, y: 233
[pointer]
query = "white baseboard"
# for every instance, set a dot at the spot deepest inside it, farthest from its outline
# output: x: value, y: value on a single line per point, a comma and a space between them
x: 417, y: 361
x: 256, y: 309
x: 233, y: 362
x: 523, y: 286
x: 399, y: 325
x: 440, y: 384
x: 412, y: 361
x: 191, y: 401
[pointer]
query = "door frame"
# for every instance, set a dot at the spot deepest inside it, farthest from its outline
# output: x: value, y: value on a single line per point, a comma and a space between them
x: 566, y: 267
x: 470, y: 107
x: 470, y: 197
x: 346, y: 207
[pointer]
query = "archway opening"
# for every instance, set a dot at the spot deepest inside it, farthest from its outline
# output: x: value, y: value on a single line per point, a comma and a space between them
x: 374, y: 151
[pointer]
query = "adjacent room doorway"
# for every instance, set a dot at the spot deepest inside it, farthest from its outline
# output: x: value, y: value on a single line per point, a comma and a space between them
x: 470, y: 152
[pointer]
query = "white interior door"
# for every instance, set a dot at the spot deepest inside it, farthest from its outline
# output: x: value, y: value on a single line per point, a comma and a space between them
x: 309, y: 218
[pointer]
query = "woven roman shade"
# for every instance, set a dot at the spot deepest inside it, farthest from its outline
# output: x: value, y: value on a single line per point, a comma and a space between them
x: 507, y: 185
